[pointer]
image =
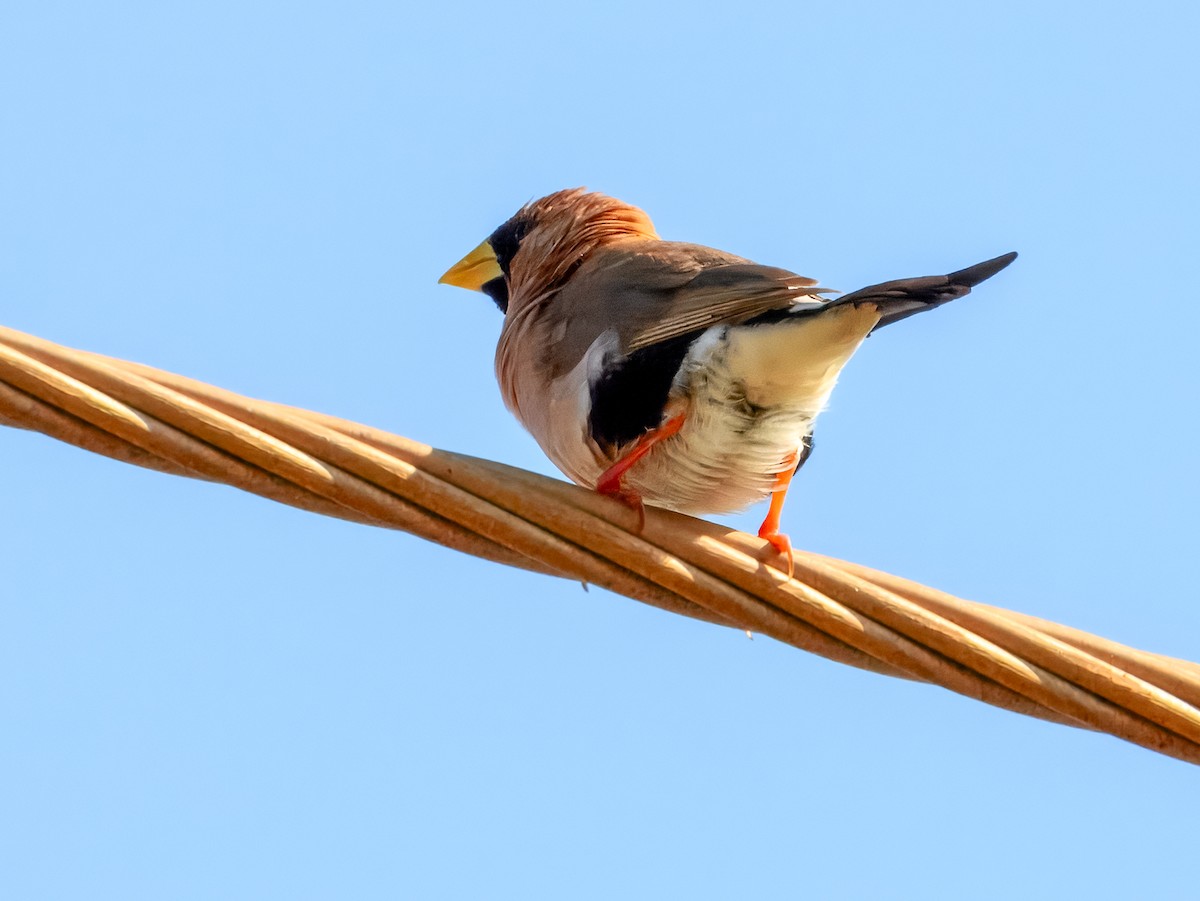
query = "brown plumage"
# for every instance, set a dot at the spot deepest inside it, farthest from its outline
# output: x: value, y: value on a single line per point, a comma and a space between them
x: 665, y: 371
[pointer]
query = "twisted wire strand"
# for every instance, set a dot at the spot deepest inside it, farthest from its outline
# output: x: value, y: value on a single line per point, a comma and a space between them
x: 843, y: 611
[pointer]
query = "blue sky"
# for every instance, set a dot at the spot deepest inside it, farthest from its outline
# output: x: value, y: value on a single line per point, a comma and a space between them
x: 203, y: 694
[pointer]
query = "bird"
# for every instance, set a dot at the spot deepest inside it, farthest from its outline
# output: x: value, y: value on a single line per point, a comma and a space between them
x: 667, y: 373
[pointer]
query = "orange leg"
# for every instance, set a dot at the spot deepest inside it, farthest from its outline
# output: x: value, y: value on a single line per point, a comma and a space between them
x: 769, y: 529
x: 610, y: 480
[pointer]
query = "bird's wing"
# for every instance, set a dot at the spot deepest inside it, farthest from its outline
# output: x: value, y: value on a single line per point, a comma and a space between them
x: 727, y: 295
x: 663, y: 290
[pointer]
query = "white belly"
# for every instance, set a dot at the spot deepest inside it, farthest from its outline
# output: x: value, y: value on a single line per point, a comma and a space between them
x: 752, y: 394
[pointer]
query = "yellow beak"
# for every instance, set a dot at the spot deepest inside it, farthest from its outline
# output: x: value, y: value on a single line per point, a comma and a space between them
x: 474, y: 270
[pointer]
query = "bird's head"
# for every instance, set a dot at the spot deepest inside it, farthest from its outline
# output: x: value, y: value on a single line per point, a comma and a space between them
x: 534, y: 253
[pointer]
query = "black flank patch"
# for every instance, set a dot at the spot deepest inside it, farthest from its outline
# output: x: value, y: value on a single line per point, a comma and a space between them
x: 806, y: 449
x: 779, y: 315
x: 629, y: 397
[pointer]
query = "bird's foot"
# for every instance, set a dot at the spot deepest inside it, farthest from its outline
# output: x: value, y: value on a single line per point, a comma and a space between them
x: 769, y: 530
x: 612, y: 487
x: 781, y: 543
x: 610, y: 481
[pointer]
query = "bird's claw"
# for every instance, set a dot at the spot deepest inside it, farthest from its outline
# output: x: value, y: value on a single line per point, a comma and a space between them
x: 782, y: 544
x: 626, y: 496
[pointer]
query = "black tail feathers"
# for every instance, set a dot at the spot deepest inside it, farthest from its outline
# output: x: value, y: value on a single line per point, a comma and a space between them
x: 902, y: 298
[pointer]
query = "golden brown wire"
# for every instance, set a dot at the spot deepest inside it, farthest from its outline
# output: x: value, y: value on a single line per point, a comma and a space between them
x: 843, y: 611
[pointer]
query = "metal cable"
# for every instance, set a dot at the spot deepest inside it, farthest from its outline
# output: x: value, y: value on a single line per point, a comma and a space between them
x: 843, y: 611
